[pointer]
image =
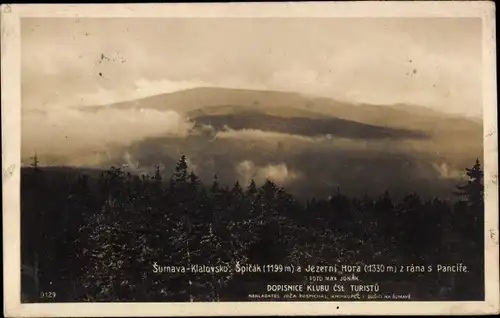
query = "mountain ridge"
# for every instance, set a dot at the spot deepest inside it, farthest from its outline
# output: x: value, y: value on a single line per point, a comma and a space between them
x: 290, y: 104
x: 193, y: 98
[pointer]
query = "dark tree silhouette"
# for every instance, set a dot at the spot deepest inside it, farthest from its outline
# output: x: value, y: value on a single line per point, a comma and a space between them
x: 473, y: 189
x: 103, y: 234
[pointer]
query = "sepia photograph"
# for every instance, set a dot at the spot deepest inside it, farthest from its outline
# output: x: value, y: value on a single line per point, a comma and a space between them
x: 283, y: 158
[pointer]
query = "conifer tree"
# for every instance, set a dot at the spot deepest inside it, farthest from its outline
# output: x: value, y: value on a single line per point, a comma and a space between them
x: 471, y: 219
x: 103, y: 275
x: 181, y: 201
x: 38, y: 223
x: 181, y: 170
x: 252, y: 188
x: 237, y: 190
x: 473, y: 189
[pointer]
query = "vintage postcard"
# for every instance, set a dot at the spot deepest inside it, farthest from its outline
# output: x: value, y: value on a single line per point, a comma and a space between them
x: 249, y: 159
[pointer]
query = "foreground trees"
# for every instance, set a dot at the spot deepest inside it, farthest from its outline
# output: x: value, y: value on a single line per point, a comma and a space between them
x: 105, y: 235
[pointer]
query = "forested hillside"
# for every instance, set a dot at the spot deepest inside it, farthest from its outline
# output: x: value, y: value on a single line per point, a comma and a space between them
x: 96, y: 238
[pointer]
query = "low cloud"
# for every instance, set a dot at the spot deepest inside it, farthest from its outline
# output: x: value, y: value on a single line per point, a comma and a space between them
x: 256, y: 134
x: 444, y: 171
x: 280, y: 173
x: 296, y: 143
x: 71, y: 132
x: 141, y: 89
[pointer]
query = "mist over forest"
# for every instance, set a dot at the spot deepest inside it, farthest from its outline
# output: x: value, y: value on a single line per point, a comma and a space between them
x: 249, y: 134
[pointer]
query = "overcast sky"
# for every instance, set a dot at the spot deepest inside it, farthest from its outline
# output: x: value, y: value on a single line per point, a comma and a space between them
x: 430, y: 62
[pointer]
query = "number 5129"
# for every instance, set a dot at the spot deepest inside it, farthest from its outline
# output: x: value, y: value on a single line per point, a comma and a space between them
x: 48, y: 295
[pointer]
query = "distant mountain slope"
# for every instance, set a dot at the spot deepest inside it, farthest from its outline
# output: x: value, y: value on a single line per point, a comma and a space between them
x: 283, y: 112
x: 281, y: 103
x: 451, y: 131
x: 187, y: 100
x: 453, y: 137
x: 304, y: 126
x: 258, y: 134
